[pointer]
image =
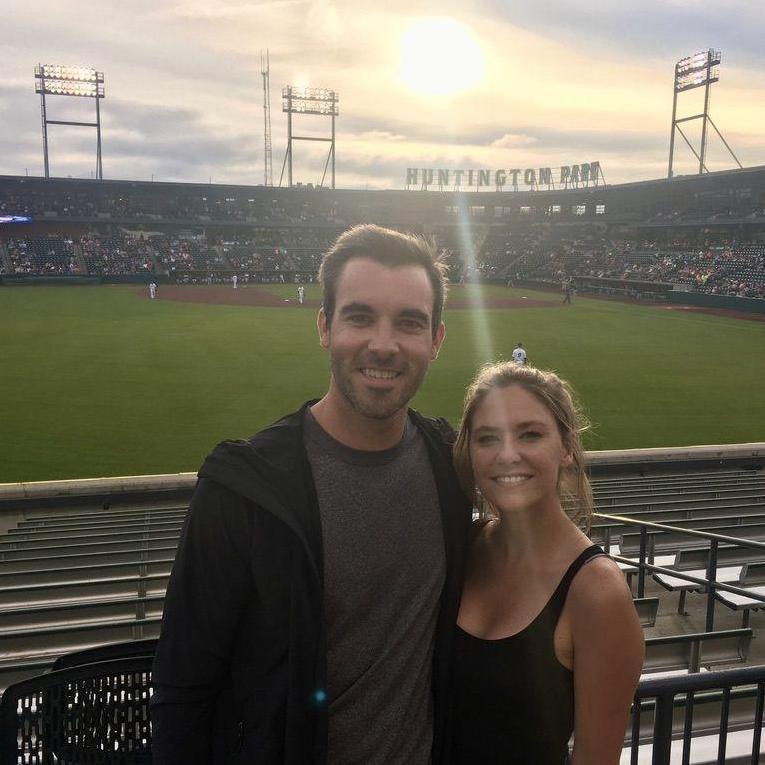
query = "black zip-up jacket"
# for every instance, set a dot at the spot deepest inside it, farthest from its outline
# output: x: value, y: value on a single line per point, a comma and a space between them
x: 240, y: 670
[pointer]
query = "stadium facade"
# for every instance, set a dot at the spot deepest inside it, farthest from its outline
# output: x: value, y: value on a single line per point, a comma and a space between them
x: 700, y: 234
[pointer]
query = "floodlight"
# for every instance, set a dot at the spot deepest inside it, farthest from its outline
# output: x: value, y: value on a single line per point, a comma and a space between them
x: 80, y: 73
x: 691, y: 61
x: 696, y: 71
x: 78, y: 81
x: 306, y: 100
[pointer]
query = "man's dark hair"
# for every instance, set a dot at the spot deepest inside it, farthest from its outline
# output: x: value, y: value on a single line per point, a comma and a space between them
x: 388, y: 248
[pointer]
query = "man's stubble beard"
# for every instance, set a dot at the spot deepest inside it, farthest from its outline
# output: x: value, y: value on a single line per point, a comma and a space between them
x: 374, y: 406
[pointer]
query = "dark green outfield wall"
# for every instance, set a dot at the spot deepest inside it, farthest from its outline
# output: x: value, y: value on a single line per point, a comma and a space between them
x: 728, y: 302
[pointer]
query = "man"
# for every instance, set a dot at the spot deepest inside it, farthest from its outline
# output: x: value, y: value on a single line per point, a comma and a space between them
x: 309, y: 615
x: 234, y: 280
x: 519, y: 354
x: 152, y: 290
x: 301, y: 294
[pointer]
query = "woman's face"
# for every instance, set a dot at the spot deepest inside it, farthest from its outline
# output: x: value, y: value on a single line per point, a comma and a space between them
x: 516, y: 451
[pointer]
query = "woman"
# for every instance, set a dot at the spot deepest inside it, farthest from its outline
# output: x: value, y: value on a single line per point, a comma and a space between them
x: 548, y: 641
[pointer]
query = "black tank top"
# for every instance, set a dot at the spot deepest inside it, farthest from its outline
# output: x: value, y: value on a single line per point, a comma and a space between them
x: 513, y: 699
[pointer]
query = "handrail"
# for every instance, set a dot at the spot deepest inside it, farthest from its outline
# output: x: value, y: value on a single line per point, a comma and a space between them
x: 690, y: 578
x: 664, y: 690
x: 690, y: 532
x: 710, y: 583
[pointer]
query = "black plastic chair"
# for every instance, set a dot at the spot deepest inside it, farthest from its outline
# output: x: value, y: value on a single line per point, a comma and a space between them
x: 107, y: 652
x: 92, y: 714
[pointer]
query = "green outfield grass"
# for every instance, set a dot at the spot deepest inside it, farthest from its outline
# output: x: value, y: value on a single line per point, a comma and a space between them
x: 98, y: 381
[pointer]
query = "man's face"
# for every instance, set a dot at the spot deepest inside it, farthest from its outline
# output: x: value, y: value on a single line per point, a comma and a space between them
x: 381, y: 340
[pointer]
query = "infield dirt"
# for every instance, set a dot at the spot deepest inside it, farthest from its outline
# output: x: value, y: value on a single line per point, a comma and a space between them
x: 250, y: 295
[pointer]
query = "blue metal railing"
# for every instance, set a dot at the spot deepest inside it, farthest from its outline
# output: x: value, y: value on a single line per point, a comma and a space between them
x: 713, y: 689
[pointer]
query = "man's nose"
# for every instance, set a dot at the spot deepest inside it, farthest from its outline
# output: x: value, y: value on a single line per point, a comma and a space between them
x: 383, y: 341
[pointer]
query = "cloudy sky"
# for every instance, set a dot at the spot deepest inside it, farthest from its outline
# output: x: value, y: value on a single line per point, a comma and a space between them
x: 490, y: 84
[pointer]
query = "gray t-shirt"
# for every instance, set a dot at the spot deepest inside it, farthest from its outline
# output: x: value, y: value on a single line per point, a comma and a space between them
x: 384, y: 569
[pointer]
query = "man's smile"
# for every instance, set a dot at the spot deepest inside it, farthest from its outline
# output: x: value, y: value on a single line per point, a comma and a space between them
x: 380, y: 374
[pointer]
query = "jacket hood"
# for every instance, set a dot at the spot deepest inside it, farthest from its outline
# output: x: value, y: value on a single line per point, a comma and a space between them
x: 268, y: 469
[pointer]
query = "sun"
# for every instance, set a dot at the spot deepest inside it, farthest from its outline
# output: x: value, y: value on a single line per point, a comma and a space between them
x: 440, y: 58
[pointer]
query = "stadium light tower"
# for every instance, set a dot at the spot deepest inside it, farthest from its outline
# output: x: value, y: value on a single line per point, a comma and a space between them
x: 265, y: 71
x: 79, y: 81
x: 318, y: 101
x: 697, y: 71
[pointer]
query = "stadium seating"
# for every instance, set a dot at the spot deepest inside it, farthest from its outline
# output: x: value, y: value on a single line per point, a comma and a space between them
x: 691, y: 652
x: 497, y: 255
x: 111, y: 255
x: 77, y: 580
x: 206, y: 233
x: 43, y: 255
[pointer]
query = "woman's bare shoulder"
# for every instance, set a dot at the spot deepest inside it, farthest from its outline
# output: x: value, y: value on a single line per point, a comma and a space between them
x: 599, y: 584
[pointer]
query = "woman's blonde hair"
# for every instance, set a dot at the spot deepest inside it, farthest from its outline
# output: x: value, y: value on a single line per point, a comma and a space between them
x: 573, y: 484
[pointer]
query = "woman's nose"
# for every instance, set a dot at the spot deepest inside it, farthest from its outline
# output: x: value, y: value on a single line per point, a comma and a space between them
x: 508, y: 451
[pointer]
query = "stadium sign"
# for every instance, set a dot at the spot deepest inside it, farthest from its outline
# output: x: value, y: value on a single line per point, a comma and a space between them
x: 15, y: 219
x: 568, y: 175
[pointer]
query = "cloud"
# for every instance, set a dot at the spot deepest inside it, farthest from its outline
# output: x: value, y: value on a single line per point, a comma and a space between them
x: 512, y: 140
x: 375, y: 135
x: 564, y: 83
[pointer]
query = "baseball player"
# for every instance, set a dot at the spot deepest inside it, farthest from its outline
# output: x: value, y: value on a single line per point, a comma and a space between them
x: 519, y: 355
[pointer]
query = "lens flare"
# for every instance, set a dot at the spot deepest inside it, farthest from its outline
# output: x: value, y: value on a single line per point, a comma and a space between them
x: 481, y: 332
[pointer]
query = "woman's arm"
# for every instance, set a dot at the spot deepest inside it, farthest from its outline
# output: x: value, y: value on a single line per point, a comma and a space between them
x: 609, y: 648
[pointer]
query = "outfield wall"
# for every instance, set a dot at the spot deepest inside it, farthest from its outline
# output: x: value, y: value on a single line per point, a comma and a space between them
x: 727, y: 302
x: 647, y: 291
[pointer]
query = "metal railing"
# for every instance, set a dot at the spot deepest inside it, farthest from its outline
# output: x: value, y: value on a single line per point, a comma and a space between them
x: 709, y: 583
x: 672, y: 702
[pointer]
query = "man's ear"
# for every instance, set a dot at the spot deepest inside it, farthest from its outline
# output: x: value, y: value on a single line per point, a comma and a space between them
x: 323, y: 327
x: 438, y: 339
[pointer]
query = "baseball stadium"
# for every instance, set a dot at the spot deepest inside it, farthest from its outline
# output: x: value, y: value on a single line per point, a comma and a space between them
x: 145, y: 321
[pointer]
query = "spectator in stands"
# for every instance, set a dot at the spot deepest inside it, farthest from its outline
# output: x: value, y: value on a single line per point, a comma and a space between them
x: 321, y: 561
x: 547, y: 640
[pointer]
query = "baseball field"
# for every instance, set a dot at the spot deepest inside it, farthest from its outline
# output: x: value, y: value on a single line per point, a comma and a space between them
x: 102, y: 381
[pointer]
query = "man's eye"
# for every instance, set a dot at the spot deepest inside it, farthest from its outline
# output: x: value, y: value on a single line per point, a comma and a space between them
x: 411, y: 325
x: 358, y: 318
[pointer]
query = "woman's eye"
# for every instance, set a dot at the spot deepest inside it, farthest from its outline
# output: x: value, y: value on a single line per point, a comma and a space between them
x: 486, y: 439
x: 531, y: 435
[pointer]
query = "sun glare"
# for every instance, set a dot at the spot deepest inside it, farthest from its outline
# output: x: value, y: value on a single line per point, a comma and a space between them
x: 440, y: 58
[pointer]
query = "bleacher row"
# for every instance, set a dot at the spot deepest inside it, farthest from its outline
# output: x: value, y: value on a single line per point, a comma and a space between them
x: 496, y: 252
x: 76, y: 579
x: 114, y: 254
